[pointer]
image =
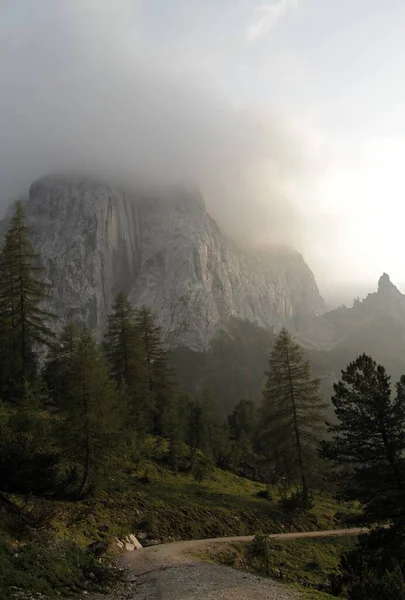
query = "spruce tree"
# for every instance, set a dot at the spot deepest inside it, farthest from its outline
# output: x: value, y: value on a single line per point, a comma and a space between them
x: 210, y: 423
x: 90, y: 416
x: 23, y: 319
x: 160, y: 376
x: 127, y: 360
x: 367, y: 444
x: 243, y: 420
x: 291, y: 419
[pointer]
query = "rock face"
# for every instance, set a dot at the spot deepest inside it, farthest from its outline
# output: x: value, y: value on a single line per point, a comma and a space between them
x: 163, y: 250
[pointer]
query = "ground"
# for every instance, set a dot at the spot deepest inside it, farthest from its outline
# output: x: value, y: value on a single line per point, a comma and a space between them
x: 165, y: 505
x: 176, y: 571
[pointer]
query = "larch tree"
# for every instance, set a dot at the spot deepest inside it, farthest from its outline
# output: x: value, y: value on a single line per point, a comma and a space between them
x: 291, y: 414
x: 210, y: 424
x: 90, y: 415
x: 23, y: 318
x: 367, y: 444
x: 160, y: 376
x: 126, y: 357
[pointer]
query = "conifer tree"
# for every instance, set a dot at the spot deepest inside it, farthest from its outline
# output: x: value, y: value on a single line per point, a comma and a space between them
x: 127, y: 360
x: 23, y: 319
x: 160, y: 376
x: 91, y: 418
x: 195, y: 428
x: 292, y: 413
x: 210, y: 423
x: 243, y: 420
x: 368, y: 442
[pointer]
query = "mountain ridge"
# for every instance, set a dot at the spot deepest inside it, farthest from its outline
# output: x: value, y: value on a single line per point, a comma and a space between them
x: 163, y: 249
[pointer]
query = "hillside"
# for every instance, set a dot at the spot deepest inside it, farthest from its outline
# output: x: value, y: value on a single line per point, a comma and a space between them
x: 155, y: 503
x: 235, y: 364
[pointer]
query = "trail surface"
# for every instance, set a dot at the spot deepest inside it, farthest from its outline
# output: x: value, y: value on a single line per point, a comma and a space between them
x: 170, y: 572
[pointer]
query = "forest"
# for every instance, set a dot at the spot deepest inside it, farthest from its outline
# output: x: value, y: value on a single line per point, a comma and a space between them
x: 76, y: 411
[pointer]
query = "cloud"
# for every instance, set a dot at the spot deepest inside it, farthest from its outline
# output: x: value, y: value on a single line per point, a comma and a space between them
x: 83, y: 89
x: 266, y: 16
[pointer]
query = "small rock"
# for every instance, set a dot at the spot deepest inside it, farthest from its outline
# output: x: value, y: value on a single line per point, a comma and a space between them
x: 135, y: 542
x: 153, y: 542
x: 142, y: 535
x: 98, y: 548
x: 129, y: 547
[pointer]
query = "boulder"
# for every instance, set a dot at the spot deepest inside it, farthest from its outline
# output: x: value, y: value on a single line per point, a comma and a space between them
x: 137, y: 545
x: 128, y: 547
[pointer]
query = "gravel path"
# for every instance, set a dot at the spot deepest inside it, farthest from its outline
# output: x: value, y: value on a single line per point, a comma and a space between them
x: 169, y: 572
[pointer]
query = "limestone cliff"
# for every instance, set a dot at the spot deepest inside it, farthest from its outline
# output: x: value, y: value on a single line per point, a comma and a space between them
x: 164, y: 250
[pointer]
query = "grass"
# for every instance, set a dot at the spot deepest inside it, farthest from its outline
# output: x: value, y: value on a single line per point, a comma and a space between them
x: 305, y: 563
x: 48, y: 567
x: 164, y: 504
x: 171, y: 506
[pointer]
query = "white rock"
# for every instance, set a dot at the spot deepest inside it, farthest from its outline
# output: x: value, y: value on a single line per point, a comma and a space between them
x: 129, y: 547
x: 137, y: 545
x: 165, y: 251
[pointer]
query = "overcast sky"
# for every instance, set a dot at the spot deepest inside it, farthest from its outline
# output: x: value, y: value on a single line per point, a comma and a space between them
x: 288, y: 114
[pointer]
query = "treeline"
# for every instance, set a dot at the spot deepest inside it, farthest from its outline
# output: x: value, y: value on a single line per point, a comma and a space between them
x: 73, y: 410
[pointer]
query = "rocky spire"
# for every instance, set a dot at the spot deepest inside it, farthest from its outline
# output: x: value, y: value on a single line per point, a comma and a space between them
x: 385, y: 285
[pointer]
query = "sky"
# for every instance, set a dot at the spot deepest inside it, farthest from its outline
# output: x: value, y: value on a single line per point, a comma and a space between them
x: 289, y: 115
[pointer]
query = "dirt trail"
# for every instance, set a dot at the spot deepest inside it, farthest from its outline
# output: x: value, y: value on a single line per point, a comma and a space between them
x: 170, y: 572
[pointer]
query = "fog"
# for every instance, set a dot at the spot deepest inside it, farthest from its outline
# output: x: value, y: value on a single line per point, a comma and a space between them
x: 86, y: 86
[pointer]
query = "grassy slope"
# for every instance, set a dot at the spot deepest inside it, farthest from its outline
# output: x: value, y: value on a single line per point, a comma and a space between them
x: 172, y: 506
x: 301, y: 561
x: 165, y: 505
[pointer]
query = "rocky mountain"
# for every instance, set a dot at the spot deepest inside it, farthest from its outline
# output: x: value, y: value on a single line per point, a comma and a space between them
x: 163, y: 249
x: 374, y: 325
x: 235, y: 365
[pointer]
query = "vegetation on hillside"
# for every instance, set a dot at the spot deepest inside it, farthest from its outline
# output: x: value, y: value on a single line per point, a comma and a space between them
x: 99, y: 440
x: 311, y: 563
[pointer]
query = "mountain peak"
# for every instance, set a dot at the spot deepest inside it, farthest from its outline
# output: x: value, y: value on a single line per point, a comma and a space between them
x: 385, y: 285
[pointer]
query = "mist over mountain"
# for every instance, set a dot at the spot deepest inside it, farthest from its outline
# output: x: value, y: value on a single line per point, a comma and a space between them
x: 161, y: 247
x: 94, y: 87
x: 219, y: 302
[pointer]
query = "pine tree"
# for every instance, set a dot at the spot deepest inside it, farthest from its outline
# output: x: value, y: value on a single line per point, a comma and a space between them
x: 23, y: 320
x: 210, y: 423
x: 127, y: 360
x: 160, y: 376
x: 368, y: 442
x: 291, y: 413
x: 195, y: 428
x: 243, y: 420
x: 91, y: 418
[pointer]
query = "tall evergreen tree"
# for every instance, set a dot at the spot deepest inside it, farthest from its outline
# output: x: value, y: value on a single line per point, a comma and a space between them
x: 367, y: 446
x: 23, y: 319
x: 126, y: 356
x: 210, y: 423
x: 292, y: 413
x: 160, y: 376
x: 91, y: 418
x: 243, y: 422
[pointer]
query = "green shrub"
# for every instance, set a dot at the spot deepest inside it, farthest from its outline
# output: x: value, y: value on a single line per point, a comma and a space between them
x: 49, y: 567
